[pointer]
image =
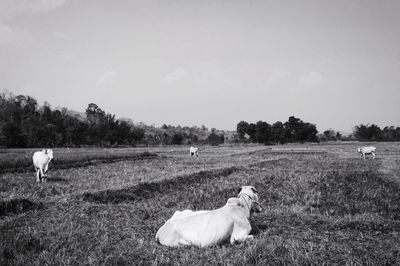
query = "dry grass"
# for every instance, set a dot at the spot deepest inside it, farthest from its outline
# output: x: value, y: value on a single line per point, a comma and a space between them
x: 322, y: 205
x: 20, y: 160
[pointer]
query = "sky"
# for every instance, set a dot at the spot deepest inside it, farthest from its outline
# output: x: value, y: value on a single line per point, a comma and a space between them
x: 335, y: 64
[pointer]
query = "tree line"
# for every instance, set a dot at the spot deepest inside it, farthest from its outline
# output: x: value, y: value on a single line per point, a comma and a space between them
x: 293, y: 130
x: 25, y: 123
x: 375, y: 133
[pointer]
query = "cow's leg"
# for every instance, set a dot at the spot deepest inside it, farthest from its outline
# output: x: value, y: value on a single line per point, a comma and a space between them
x: 46, y: 167
x: 42, y: 174
x: 239, y: 238
x: 373, y: 155
x: 37, y: 174
x: 241, y: 232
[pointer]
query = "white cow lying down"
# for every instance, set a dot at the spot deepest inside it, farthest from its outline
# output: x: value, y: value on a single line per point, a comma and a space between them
x: 367, y: 150
x: 194, y: 151
x: 212, y: 227
x: 41, y: 160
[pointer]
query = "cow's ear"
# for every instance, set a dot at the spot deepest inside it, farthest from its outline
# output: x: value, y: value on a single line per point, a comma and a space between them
x: 254, y: 190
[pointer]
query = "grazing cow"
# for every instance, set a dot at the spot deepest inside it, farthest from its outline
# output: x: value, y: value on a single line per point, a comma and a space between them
x: 211, y: 227
x: 367, y: 150
x: 41, y: 160
x: 194, y: 151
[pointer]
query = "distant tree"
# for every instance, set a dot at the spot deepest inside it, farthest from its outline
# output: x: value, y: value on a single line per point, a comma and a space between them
x: 389, y: 133
x: 193, y: 138
x: 360, y: 132
x: 278, y: 132
x: 263, y: 132
x: 251, y: 131
x: 397, y: 134
x: 330, y: 135
x: 294, y: 130
x: 215, y: 139
x: 374, y: 133
x: 241, y: 129
x: 307, y: 133
x: 14, y: 136
x: 367, y: 132
x: 177, y: 139
x: 137, y: 134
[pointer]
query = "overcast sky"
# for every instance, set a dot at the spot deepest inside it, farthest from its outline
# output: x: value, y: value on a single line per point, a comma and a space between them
x: 332, y: 63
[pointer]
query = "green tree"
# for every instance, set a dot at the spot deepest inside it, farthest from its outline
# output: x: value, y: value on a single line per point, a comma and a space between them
x: 242, y: 128
x: 263, y: 132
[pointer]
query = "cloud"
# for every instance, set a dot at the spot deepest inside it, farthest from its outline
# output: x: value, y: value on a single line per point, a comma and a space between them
x: 311, y: 79
x: 60, y: 35
x: 174, y: 76
x: 41, y: 6
x: 6, y: 34
x: 14, y: 35
x: 106, y: 79
x: 66, y: 56
x: 277, y: 75
x: 11, y: 8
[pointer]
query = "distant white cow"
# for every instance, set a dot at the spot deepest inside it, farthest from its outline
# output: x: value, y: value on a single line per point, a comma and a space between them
x: 194, y: 151
x: 366, y: 150
x: 41, y: 160
x: 211, y: 227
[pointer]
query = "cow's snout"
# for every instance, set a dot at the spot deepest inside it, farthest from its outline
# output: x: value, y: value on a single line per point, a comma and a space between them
x: 256, y: 207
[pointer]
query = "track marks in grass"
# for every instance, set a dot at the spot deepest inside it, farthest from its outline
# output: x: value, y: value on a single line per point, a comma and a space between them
x: 25, y: 164
x: 150, y: 190
x: 16, y: 206
x: 100, y: 160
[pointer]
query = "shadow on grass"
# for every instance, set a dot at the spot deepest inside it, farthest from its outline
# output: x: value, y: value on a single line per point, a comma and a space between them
x: 16, y: 206
x: 26, y: 244
x: 150, y: 190
x: 56, y: 179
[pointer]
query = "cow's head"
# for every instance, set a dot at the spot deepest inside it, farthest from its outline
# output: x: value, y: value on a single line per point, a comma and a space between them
x: 251, y: 192
x: 49, y: 153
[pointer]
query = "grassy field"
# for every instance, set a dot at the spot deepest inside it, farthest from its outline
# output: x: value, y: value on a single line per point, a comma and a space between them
x: 322, y: 204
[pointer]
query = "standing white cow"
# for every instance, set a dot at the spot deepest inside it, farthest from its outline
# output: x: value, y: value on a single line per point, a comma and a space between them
x: 41, y: 160
x: 194, y: 151
x: 367, y: 150
x: 211, y: 227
